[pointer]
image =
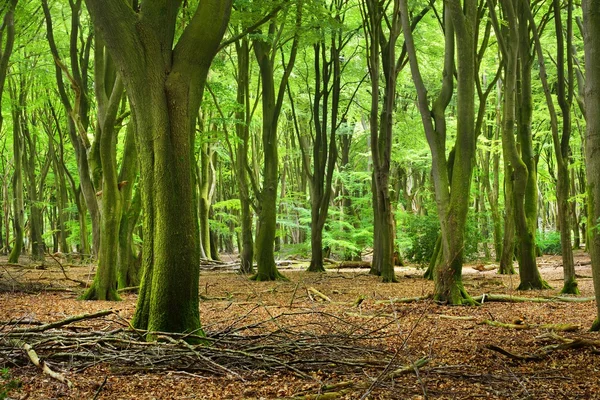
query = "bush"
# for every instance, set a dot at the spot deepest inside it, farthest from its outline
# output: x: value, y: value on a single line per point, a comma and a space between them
x: 417, y: 235
x: 549, y: 242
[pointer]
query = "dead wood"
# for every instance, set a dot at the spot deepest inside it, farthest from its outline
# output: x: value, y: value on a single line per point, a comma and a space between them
x: 41, y: 364
x: 350, y: 264
x: 516, y: 299
x: 524, y: 326
x: 314, y: 292
x: 62, y: 268
x: 58, y: 324
x: 543, y: 352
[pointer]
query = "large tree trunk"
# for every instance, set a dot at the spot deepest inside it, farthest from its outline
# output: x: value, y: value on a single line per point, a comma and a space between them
x: 520, y: 167
x: 452, y: 176
x: 562, y: 149
x: 591, y: 20
x: 164, y: 83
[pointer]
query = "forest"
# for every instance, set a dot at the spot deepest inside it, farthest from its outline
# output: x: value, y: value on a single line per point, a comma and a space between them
x: 303, y: 199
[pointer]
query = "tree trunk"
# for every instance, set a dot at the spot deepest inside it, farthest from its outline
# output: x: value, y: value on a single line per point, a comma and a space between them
x: 109, y: 91
x: 128, y: 265
x: 271, y: 104
x: 591, y: 20
x: 244, y: 115
x: 164, y: 82
x: 17, y: 183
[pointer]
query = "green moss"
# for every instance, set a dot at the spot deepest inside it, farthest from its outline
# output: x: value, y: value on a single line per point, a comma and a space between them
x: 570, y: 287
x: 389, y: 278
x: 507, y: 270
x: 316, y: 268
x: 596, y: 325
x: 97, y: 293
x: 273, y: 275
x: 456, y: 296
x: 534, y: 285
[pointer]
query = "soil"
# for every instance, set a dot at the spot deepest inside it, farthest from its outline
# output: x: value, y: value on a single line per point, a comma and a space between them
x: 454, y: 340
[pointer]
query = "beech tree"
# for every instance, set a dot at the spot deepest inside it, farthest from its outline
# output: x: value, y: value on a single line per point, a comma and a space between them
x: 164, y: 80
x: 452, y: 173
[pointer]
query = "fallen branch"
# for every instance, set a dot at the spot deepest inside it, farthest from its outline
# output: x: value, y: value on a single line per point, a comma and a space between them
x: 349, y: 264
x: 316, y: 293
x: 516, y: 299
x: 552, y: 327
x: 62, y: 268
x: 41, y: 364
x: 63, y: 322
x: 565, y: 344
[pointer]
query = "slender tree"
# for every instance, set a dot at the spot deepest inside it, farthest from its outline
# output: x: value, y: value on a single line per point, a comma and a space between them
x: 452, y: 175
x: 265, y: 48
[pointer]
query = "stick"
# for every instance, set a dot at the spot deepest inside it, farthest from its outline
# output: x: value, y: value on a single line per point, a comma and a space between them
x: 66, y: 321
x: 319, y: 294
x: 81, y: 283
x: 516, y: 299
x: 100, y: 388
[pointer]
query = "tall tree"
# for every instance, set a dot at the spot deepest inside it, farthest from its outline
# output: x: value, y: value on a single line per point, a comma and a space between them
x: 77, y: 109
x: 520, y: 164
x: 591, y: 22
x: 265, y: 49
x: 452, y: 174
x: 326, y: 119
x: 109, y: 92
x: 164, y: 80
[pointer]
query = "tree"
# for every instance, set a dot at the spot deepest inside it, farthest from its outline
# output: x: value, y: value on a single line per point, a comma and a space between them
x: 77, y: 109
x: 265, y: 48
x: 520, y: 164
x: 164, y: 80
x: 326, y: 119
x: 452, y: 175
x: 109, y: 92
x: 591, y: 21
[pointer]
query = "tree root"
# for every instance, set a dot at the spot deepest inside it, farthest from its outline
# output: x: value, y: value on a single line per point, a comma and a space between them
x: 541, y: 285
x: 570, y: 287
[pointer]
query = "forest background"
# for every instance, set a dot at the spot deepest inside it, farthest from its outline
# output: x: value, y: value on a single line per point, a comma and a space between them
x: 147, y: 136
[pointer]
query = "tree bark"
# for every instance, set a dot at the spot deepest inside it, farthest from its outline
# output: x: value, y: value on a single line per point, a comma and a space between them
x: 164, y: 81
x: 591, y: 21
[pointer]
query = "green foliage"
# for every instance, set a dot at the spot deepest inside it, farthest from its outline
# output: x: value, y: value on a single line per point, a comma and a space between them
x: 7, y: 383
x: 549, y: 242
x: 417, y: 235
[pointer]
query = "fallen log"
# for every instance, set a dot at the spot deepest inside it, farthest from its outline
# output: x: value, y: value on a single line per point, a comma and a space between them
x: 522, y: 326
x: 565, y: 344
x: 349, y: 265
x: 516, y: 299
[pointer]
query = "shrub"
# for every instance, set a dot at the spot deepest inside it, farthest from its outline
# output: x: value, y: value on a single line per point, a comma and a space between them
x: 549, y: 242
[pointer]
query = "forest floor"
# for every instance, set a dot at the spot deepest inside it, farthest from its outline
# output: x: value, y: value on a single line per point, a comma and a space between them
x: 330, y: 346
